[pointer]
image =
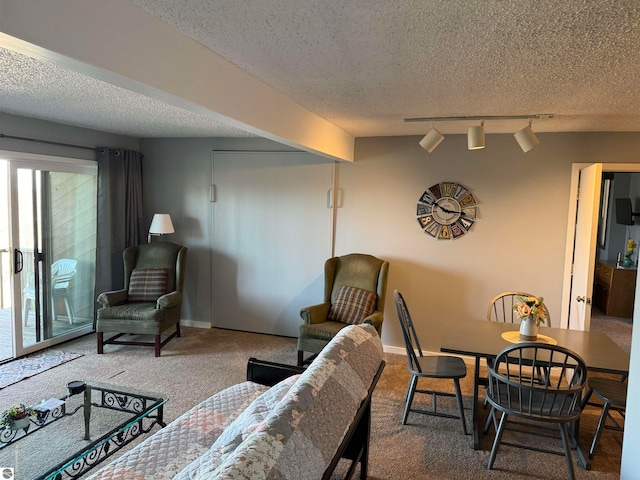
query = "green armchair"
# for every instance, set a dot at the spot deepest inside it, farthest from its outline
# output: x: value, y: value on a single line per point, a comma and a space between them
x: 151, y: 300
x: 354, y: 292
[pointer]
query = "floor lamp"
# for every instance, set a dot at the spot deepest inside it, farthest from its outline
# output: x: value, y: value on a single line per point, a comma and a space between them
x: 160, y: 225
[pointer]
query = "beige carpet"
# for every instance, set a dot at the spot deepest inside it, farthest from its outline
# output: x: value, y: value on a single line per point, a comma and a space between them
x: 203, y: 362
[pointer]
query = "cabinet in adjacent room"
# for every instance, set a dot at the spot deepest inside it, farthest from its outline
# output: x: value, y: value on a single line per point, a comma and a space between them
x: 614, y: 289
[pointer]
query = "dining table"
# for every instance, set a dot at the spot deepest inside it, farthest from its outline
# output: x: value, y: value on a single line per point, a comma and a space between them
x: 483, y: 340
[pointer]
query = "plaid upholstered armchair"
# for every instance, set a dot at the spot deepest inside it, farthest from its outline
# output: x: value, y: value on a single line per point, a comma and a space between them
x: 151, y: 300
x: 354, y: 292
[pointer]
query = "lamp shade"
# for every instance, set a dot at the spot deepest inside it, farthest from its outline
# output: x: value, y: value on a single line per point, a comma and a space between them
x: 526, y: 138
x: 431, y: 140
x: 475, y: 137
x: 161, y: 224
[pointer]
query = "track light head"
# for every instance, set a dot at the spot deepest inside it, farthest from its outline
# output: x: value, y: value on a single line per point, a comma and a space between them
x: 526, y: 138
x: 475, y: 137
x: 431, y: 140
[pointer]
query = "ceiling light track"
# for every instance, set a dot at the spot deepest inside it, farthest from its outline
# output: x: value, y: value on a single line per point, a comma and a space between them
x: 537, y: 116
x: 475, y: 134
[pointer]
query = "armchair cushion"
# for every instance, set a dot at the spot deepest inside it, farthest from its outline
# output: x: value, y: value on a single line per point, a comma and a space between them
x: 324, y: 331
x: 352, y: 305
x: 147, y: 284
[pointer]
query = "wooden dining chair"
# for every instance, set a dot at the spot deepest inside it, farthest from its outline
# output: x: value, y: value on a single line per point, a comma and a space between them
x: 612, y: 395
x: 430, y: 366
x: 501, y: 310
x: 514, y: 392
x: 501, y: 307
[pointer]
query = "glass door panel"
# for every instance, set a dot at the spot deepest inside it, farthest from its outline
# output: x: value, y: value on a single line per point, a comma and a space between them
x: 72, y: 206
x: 29, y: 255
x: 53, y: 231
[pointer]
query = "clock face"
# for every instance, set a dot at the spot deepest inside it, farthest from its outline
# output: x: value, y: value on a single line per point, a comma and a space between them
x: 447, y: 211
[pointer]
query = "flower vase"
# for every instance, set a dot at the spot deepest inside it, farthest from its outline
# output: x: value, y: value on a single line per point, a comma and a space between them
x: 528, y: 329
x: 20, y: 423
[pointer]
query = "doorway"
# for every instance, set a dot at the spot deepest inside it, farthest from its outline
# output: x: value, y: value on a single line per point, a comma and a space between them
x: 616, y: 266
x: 577, y: 303
x: 47, y: 251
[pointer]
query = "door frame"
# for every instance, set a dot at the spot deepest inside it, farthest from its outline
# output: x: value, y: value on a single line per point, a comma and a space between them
x: 571, y: 227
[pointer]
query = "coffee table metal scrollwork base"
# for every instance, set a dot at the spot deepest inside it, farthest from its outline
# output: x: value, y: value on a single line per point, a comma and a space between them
x: 112, y: 418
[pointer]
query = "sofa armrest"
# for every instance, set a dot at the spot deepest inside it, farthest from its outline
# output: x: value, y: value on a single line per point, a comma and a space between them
x: 269, y: 373
x: 169, y: 300
x: 315, y: 313
x: 375, y: 319
x: 113, y: 298
x: 355, y: 444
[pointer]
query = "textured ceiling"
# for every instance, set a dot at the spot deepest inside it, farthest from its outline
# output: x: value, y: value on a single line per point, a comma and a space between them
x: 32, y: 88
x: 366, y: 65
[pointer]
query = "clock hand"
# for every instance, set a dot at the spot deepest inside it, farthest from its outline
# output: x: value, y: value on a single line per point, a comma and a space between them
x: 446, y: 210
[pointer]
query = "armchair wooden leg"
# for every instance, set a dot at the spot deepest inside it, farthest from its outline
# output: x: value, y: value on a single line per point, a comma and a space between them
x: 178, y: 329
x: 158, y: 345
x: 100, y: 343
x: 300, y: 358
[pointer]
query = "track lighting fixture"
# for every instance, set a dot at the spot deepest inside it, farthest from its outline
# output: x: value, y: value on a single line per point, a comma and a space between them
x: 431, y: 140
x: 526, y: 138
x: 475, y: 135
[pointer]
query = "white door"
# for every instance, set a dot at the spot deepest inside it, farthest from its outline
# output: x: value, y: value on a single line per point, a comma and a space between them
x: 271, y: 225
x: 584, y: 251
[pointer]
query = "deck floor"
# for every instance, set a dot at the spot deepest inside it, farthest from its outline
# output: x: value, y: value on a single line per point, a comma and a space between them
x: 60, y: 326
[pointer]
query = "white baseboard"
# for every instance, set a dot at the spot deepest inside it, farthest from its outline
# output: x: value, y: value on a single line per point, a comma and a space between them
x: 402, y: 351
x: 195, y: 324
x: 396, y: 350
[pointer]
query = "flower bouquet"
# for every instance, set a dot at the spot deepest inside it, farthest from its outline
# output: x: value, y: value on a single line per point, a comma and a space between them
x: 532, y: 312
x: 628, y: 257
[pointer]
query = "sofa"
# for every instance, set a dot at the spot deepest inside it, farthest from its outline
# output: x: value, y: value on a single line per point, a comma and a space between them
x: 284, y: 422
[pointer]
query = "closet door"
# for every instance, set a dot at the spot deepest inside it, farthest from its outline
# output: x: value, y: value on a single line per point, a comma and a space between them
x: 271, y: 237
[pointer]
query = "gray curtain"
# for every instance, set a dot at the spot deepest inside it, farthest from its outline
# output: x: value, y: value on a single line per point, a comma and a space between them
x: 120, y: 222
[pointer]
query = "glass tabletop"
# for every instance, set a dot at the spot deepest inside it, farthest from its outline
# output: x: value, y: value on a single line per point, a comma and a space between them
x: 70, y: 434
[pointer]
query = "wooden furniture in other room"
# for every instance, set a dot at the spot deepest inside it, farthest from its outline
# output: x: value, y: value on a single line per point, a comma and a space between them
x: 614, y: 289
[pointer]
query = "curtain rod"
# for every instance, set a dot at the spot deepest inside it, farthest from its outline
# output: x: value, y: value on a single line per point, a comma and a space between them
x: 100, y: 150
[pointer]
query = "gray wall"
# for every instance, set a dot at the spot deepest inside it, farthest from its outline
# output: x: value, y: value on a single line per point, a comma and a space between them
x: 56, y: 132
x: 624, y: 185
x: 616, y: 233
x: 518, y: 242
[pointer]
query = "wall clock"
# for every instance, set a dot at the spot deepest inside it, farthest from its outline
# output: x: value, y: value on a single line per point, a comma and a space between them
x: 447, y: 211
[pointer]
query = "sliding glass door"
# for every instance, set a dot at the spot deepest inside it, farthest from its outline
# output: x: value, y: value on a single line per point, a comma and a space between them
x: 47, y: 243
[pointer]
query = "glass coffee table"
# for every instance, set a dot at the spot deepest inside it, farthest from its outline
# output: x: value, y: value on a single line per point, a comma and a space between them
x: 73, y: 433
